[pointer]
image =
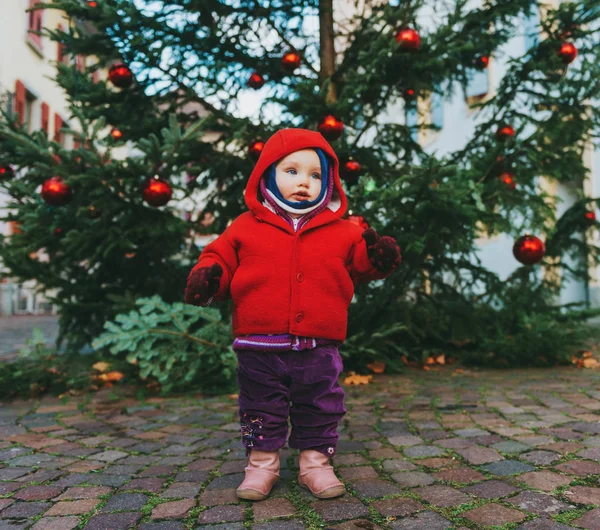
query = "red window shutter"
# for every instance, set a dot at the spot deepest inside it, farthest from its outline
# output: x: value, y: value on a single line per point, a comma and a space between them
x: 34, y: 23
x: 20, y: 102
x: 45, y: 118
x: 58, y: 124
x: 60, y: 49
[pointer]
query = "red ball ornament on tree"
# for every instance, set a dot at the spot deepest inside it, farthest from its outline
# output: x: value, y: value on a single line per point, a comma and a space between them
x: 359, y: 220
x: 157, y: 191
x: 351, y: 171
x: 509, y: 179
x: 58, y: 231
x: 567, y: 52
x: 116, y: 134
x: 331, y: 128
x: 408, y: 39
x: 505, y: 132
x: 290, y: 61
x: 56, y: 193
x: 255, y: 148
x: 120, y: 75
x: 92, y: 3
x: 6, y: 172
x: 256, y: 81
x: 481, y: 62
x: 528, y: 249
x: 408, y: 94
x: 590, y: 218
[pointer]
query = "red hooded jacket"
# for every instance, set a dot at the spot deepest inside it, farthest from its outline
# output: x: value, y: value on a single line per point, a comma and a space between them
x: 283, y: 281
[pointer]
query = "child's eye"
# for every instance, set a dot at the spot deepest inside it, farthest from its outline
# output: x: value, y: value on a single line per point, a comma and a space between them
x: 318, y: 176
x: 291, y: 170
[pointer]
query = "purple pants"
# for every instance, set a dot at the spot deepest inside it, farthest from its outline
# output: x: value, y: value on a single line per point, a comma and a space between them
x: 309, y: 378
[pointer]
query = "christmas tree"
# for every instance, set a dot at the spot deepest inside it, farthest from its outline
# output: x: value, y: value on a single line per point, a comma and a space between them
x: 114, y: 231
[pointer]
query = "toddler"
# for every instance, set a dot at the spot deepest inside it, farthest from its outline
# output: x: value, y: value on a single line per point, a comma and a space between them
x: 290, y: 264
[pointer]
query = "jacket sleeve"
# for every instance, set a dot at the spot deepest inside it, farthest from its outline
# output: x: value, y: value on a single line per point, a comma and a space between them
x: 222, y: 251
x: 359, y: 266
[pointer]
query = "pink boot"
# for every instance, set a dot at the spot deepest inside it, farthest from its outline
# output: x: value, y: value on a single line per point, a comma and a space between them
x: 317, y: 475
x: 261, y: 474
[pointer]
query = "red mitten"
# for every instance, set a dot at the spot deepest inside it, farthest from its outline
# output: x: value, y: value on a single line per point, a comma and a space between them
x: 203, y: 284
x: 383, y: 252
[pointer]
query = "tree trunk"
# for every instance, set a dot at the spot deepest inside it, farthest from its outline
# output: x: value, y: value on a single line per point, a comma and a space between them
x: 327, y: 52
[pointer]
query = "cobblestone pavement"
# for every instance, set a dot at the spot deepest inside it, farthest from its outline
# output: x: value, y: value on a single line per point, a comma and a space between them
x: 16, y: 330
x: 422, y: 450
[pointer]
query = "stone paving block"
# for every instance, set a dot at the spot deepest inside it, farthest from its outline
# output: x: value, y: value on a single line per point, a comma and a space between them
x: 38, y: 493
x: 539, y: 503
x: 173, y: 509
x: 113, y: 521
x: 218, y: 497
x: 129, y: 502
x: 272, y: 508
x: 109, y: 456
x: 544, y: 480
x: 405, y: 441
x: 479, y: 455
x: 589, y: 520
x: 592, y: 453
x: 165, y: 525
x: 356, y: 473
x: 7, y: 487
x: 442, y: 495
x: 397, y: 507
x: 73, y: 507
x: 540, y: 458
x: 505, y: 468
x: 511, y: 447
x: 374, y: 488
x: 581, y: 468
x: 494, y: 514
x: 543, y: 523
x: 420, y: 451
x: 398, y: 465
x: 461, y: 475
x: 490, y: 489
x: 21, y: 510
x: 340, y: 508
x: 564, y: 448
x: 436, y: 463
x: 411, y: 479
x: 80, y: 492
x: 101, y: 479
x: 56, y: 523
x: 583, y: 495
x: 422, y: 520
x: 456, y: 443
x: 5, y: 503
x: 290, y: 524
x: 469, y: 433
x: 182, y: 490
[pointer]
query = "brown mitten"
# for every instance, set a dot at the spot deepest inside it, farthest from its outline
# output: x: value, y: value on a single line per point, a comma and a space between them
x: 383, y: 252
x: 203, y: 284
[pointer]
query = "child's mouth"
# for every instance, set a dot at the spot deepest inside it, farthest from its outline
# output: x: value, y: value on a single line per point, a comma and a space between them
x: 300, y: 196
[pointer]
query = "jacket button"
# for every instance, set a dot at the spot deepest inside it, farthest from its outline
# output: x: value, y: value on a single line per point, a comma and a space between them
x: 300, y: 276
x: 299, y: 316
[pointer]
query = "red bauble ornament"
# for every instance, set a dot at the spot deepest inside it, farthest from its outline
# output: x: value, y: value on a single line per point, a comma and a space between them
x: 6, y: 172
x: 120, y: 75
x: 590, y: 218
x: 509, y: 179
x: 116, y: 134
x: 481, y: 62
x: 502, y: 133
x: 331, y: 128
x: 351, y: 170
x: 290, y: 61
x: 256, y: 81
x: 92, y: 3
x: 157, y: 191
x: 56, y: 193
x: 529, y: 249
x: 409, y: 94
x: 408, y: 39
x: 567, y: 52
x: 255, y: 148
x: 58, y: 231
x: 359, y: 220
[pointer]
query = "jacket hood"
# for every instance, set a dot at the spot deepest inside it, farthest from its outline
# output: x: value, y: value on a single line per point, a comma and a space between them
x: 281, y: 144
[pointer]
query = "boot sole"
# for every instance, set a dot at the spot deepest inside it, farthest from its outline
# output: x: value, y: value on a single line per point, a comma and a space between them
x: 251, y: 495
x: 334, y: 491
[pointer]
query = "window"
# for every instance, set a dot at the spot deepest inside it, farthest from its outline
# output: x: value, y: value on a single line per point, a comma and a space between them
x: 437, y: 110
x: 61, y: 50
x: 34, y: 24
x: 478, y: 85
x: 20, y: 102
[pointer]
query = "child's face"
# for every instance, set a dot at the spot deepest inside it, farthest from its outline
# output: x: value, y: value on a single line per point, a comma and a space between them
x: 299, y: 172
